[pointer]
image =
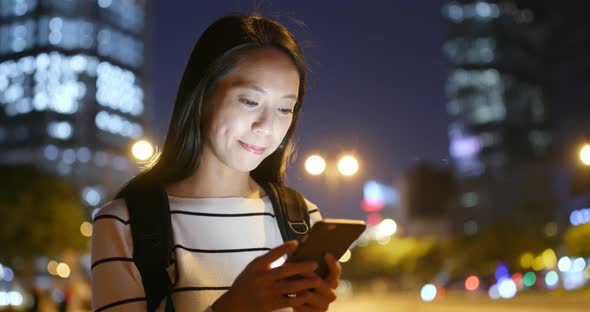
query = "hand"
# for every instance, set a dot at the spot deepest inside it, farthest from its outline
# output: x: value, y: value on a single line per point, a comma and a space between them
x: 322, y: 296
x: 260, y: 288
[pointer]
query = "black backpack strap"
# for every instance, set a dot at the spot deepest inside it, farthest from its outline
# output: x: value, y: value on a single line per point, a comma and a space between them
x: 151, y: 229
x: 290, y: 211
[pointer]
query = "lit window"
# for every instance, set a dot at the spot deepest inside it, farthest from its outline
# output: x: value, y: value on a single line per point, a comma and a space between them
x: 62, y: 130
x: 470, y: 199
x: 470, y: 228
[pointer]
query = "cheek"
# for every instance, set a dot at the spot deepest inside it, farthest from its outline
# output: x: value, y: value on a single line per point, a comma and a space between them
x: 227, y: 123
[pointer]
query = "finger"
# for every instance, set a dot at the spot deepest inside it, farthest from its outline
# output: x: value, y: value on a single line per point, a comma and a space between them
x: 334, y: 270
x: 324, y: 294
x: 311, y: 307
x: 310, y: 275
x: 304, y: 308
x: 292, y: 269
x: 294, y: 286
x: 321, y: 298
x: 263, y: 262
x: 282, y: 301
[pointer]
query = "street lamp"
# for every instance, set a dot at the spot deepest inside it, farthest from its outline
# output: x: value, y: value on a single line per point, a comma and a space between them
x: 142, y: 150
x: 315, y: 165
x: 585, y: 154
x: 348, y: 165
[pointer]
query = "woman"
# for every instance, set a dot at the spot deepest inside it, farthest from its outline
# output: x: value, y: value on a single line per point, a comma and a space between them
x: 231, y: 128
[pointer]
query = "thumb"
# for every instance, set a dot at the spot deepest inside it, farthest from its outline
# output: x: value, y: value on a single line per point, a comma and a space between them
x: 264, y: 261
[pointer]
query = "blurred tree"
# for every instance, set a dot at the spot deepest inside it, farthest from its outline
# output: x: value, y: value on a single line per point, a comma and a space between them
x: 577, y: 240
x: 500, y: 241
x: 41, y: 215
x: 401, y: 259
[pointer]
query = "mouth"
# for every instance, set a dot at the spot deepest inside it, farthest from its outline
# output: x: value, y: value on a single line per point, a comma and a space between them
x: 252, y: 148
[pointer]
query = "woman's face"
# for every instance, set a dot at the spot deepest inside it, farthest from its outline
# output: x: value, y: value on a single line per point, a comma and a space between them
x: 251, y: 110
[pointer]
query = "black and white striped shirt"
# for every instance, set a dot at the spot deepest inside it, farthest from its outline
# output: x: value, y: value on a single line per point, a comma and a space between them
x: 214, y: 238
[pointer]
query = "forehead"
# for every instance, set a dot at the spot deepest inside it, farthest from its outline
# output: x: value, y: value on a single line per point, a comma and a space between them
x: 266, y: 68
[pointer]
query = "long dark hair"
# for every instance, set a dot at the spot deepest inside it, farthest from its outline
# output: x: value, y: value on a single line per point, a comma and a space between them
x: 214, y: 56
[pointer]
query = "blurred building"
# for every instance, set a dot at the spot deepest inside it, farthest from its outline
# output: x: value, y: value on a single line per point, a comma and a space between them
x: 427, y: 196
x: 72, y: 88
x: 499, y: 133
x: 568, y: 82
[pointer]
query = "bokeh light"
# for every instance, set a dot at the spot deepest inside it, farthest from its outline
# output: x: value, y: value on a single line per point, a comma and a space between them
x: 551, y: 279
x: 4, y: 298
x: 585, y: 154
x: 16, y: 299
x: 86, y: 229
x: 493, y: 292
x: 578, y: 265
x: 538, y: 263
x: 142, y: 150
x: 315, y: 165
x: 506, y: 288
x: 374, y: 218
x: 63, y: 270
x: 502, y: 271
x: 472, y: 283
x: 8, y: 274
x: 526, y: 260
x: 388, y: 227
x: 549, y: 259
x: 52, y: 267
x: 518, y: 280
x: 564, y: 264
x: 530, y: 278
x: 348, y: 165
x: 428, y: 292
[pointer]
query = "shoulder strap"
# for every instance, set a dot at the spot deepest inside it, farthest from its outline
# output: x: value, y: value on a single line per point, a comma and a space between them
x: 290, y: 210
x: 151, y: 229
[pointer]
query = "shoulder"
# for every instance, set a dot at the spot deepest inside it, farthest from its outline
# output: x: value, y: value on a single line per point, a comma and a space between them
x: 311, y: 206
x: 116, y: 209
x: 313, y: 210
x: 111, y: 234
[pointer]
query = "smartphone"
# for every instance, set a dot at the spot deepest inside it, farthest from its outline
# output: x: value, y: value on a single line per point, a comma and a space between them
x: 332, y: 236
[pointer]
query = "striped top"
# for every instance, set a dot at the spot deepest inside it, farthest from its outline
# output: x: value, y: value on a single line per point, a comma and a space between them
x: 214, y: 239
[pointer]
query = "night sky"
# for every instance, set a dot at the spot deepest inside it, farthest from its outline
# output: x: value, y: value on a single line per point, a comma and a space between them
x: 376, y: 83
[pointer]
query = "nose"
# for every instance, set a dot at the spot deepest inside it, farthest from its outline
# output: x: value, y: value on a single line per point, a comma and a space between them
x: 263, y: 123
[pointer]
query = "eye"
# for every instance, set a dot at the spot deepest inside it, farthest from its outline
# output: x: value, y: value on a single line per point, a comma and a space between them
x: 286, y: 111
x: 247, y: 102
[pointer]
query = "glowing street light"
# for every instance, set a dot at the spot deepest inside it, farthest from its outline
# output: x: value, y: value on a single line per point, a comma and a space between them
x: 142, y: 150
x: 315, y: 165
x: 63, y: 270
x: 585, y: 154
x: 86, y: 229
x: 387, y: 227
x: 348, y: 165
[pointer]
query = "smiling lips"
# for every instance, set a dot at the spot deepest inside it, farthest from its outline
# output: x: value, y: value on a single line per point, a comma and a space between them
x: 252, y: 148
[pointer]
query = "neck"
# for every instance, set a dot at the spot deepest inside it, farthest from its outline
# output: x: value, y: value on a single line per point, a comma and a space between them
x: 207, y: 182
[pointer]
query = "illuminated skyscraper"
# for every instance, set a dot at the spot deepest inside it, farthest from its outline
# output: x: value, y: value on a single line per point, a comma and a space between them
x: 499, y: 136
x: 72, y: 88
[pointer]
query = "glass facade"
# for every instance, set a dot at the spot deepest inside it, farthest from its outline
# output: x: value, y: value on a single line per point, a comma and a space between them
x: 498, y: 129
x: 72, y: 88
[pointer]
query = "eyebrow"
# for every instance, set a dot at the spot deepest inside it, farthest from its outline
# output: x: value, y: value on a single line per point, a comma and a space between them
x: 262, y: 90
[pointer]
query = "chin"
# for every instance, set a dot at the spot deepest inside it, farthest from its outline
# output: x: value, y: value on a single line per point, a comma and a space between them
x: 246, y: 167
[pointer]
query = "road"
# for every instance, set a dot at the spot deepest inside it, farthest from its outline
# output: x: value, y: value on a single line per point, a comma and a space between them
x: 537, y: 302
